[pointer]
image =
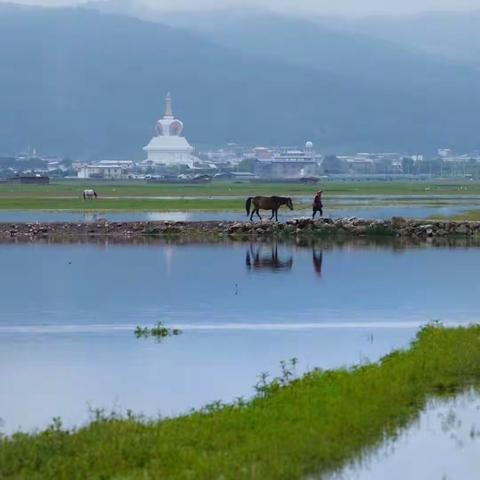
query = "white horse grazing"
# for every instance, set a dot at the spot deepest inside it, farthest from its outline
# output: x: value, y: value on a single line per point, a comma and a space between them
x: 90, y: 194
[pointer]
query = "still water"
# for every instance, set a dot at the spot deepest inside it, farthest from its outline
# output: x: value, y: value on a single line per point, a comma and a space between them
x: 448, y: 430
x: 371, y: 208
x: 68, y: 312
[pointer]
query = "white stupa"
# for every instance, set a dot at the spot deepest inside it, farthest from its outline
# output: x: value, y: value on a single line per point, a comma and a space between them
x: 167, y: 147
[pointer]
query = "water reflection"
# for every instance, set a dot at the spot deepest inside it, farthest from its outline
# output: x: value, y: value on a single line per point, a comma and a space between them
x: 442, y: 443
x: 317, y: 257
x: 261, y: 257
x: 68, y: 311
x: 265, y: 257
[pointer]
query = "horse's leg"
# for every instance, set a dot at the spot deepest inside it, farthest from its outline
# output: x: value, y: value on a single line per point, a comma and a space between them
x: 273, y: 213
x: 258, y: 214
x: 251, y: 216
x: 276, y: 214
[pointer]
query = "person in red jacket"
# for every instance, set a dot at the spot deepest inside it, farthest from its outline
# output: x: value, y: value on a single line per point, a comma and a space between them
x: 317, y: 204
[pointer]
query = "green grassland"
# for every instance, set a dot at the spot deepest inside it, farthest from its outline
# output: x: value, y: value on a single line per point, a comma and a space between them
x: 468, y: 216
x: 292, y: 429
x: 140, y: 196
x: 137, y: 188
x: 471, y: 216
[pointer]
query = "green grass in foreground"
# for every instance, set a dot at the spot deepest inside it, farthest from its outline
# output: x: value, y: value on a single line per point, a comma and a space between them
x: 290, y: 430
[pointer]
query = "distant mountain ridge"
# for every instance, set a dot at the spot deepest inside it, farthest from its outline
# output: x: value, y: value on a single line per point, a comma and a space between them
x: 452, y: 35
x: 313, y: 45
x: 89, y: 84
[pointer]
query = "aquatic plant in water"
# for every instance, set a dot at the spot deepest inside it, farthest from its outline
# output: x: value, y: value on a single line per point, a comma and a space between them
x: 159, y: 331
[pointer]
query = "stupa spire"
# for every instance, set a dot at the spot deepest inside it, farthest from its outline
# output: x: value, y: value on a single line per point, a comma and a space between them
x: 168, y: 105
x: 167, y: 146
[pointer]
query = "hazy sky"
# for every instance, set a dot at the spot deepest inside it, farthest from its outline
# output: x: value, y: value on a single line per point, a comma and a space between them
x: 352, y: 7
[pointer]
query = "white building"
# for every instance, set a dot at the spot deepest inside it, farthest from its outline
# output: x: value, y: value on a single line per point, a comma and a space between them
x: 287, y: 164
x: 168, y: 147
x: 107, y: 169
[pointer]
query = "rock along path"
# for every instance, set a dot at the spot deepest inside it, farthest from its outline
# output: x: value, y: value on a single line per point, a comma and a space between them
x: 349, y: 227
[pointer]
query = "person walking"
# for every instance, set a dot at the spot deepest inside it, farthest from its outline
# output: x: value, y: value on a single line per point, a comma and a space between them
x: 317, y: 204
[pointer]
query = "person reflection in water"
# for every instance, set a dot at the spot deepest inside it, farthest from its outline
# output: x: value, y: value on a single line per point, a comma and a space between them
x: 317, y: 261
x: 317, y: 204
x: 255, y: 260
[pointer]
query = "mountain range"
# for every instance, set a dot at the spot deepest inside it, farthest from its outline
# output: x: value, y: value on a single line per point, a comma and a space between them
x: 90, y: 83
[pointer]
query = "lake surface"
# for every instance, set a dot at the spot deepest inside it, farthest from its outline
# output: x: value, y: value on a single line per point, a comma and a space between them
x: 443, y: 443
x: 69, y: 310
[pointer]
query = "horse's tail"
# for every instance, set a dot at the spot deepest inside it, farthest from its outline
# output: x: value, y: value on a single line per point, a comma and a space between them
x: 248, y: 203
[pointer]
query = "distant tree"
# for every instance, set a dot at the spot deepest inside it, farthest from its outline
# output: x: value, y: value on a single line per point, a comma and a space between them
x: 472, y: 167
x: 6, y: 162
x: 70, y: 172
x: 66, y: 162
x: 56, y: 173
x: 430, y: 167
x: 247, y: 165
x: 332, y: 164
x: 176, y: 170
x: 408, y: 165
x: 32, y: 163
x: 383, y: 166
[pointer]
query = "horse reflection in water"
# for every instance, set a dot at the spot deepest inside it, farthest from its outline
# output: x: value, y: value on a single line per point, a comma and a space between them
x: 258, y: 260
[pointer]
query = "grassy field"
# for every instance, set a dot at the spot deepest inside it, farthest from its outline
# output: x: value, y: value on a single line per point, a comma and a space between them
x: 471, y: 215
x: 292, y: 428
x: 140, y: 196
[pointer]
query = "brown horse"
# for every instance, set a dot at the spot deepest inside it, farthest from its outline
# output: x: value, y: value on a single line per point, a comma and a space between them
x: 267, y: 203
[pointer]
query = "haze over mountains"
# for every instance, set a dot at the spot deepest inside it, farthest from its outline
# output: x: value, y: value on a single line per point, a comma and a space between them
x: 91, y: 84
x: 453, y: 35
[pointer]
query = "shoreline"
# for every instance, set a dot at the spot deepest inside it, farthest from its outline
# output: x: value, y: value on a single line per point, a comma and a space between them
x: 397, y: 227
x: 327, y: 419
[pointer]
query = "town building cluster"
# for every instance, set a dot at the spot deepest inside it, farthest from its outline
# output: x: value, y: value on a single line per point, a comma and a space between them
x: 168, y: 156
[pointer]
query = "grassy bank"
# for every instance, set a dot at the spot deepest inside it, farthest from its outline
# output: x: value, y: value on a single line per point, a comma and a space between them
x: 291, y: 429
x: 138, y: 188
x: 471, y: 216
x: 140, y: 196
